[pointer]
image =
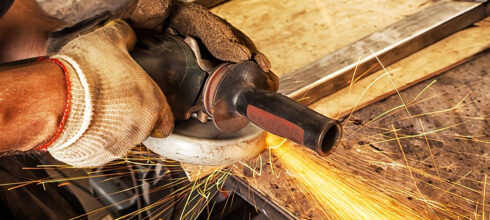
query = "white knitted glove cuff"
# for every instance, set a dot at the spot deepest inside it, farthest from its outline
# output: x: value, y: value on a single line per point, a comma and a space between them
x: 79, y: 117
x: 81, y: 109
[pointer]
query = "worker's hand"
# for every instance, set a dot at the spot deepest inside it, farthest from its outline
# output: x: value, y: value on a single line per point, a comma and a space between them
x: 223, y: 40
x: 115, y: 105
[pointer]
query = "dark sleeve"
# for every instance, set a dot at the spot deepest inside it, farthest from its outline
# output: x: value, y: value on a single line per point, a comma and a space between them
x: 4, y: 6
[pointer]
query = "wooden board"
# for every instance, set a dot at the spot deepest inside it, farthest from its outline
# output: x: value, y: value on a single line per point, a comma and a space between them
x: 294, y: 33
x: 357, y: 155
x: 422, y: 65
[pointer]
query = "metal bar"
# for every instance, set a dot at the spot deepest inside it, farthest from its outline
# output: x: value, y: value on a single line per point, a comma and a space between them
x: 255, y: 198
x: 334, y: 71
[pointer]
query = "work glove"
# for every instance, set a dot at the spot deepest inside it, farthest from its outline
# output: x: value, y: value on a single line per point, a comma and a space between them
x: 224, y: 41
x: 115, y: 105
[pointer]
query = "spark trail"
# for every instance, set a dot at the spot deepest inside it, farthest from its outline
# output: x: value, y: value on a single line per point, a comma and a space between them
x: 338, y: 196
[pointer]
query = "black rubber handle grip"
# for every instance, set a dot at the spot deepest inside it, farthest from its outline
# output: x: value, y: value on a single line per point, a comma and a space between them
x: 287, y: 118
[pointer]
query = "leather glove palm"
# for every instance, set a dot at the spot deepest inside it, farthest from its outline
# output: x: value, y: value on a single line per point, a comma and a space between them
x: 224, y: 41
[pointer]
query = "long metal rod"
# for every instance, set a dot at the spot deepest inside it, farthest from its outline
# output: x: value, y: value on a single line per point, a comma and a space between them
x: 334, y: 71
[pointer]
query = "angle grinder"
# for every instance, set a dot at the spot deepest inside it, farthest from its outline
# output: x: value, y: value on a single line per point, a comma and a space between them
x: 228, y: 95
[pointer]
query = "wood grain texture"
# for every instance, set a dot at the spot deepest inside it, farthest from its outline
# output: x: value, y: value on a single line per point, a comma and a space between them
x: 295, y: 33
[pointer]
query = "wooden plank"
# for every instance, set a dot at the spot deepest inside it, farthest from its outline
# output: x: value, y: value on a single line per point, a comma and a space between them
x: 295, y: 33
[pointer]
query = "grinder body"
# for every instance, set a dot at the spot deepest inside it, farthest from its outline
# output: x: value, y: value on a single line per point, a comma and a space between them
x: 231, y: 95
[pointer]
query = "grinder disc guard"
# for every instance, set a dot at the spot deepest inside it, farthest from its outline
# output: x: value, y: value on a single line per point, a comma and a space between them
x: 202, y: 143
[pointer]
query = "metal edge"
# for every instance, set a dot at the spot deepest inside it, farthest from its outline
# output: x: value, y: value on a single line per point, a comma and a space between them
x: 257, y: 199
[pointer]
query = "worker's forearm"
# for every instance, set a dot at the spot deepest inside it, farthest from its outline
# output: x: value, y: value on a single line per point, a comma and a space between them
x: 32, y: 101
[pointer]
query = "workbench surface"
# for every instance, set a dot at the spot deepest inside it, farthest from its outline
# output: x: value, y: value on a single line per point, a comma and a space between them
x: 452, y: 108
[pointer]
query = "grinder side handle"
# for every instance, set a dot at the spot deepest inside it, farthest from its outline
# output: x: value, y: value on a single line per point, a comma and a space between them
x: 287, y: 118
